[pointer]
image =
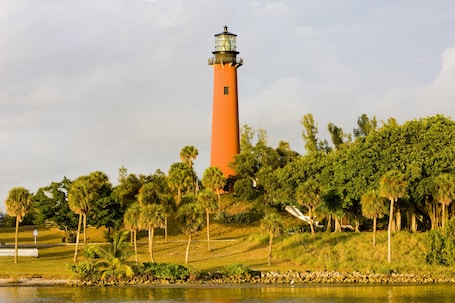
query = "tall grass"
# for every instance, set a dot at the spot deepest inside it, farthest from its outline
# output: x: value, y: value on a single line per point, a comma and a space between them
x: 355, y: 252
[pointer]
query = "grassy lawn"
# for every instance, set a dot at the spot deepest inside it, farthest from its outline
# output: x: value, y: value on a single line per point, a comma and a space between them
x: 231, y: 244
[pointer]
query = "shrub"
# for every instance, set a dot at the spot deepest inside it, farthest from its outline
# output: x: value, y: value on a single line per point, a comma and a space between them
x: 85, y: 271
x: 441, y: 245
x: 168, y: 271
x: 238, y: 271
x: 223, y: 217
x: 91, y: 251
x: 241, y: 218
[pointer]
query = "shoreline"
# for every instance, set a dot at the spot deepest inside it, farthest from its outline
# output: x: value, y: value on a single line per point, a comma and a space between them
x: 263, y: 279
x: 6, y: 282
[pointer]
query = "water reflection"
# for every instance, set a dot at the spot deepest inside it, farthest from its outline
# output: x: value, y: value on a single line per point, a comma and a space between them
x: 306, y: 293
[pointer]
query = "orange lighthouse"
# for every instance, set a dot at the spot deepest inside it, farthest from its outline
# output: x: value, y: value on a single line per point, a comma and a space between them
x: 225, y: 112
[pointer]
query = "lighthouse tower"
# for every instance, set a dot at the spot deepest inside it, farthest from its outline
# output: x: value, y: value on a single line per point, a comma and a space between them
x: 225, y: 113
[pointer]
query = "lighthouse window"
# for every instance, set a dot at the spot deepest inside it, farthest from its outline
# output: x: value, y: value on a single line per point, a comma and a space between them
x: 226, y: 90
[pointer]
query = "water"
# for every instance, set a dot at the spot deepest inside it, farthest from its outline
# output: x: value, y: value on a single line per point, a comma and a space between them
x: 223, y: 294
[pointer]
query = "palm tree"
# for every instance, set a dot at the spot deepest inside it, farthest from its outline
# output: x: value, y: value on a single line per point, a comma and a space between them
x: 207, y: 199
x: 147, y: 194
x: 392, y: 185
x: 214, y: 179
x: 18, y: 203
x: 169, y: 207
x: 115, y: 266
x: 188, y: 154
x: 180, y: 176
x: 373, y: 207
x: 444, y: 192
x: 84, y: 191
x: 78, y: 201
x: 309, y: 194
x: 131, y: 220
x: 273, y: 225
x: 152, y: 217
x: 190, y: 219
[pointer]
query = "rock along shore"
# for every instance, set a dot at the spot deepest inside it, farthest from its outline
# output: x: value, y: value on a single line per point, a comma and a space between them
x: 256, y: 278
x: 292, y: 278
x: 328, y: 277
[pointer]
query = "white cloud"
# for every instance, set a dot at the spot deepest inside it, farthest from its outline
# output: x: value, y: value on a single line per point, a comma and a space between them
x: 93, y: 85
x: 437, y: 97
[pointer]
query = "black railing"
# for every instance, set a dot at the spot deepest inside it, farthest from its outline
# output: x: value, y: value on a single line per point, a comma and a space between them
x: 224, y: 60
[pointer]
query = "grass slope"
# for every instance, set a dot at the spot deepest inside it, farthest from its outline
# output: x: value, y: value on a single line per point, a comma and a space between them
x: 245, y: 244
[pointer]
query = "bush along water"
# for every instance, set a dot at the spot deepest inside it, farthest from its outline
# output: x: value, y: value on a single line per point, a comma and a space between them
x: 169, y: 273
x: 441, y: 245
x: 88, y: 273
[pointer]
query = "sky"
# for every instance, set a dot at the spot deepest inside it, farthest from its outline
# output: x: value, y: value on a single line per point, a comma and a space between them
x: 94, y: 85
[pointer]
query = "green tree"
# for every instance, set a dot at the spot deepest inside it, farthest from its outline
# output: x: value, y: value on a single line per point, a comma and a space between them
x: 444, y: 192
x: 148, y: 194
x: 152, y: 216
x: 85, y: 191
x: 51, y: 205
x: 18, y: 203
x: 272, y: 223
x: 78, y: 202
x: 365, y: 126
x: 214, y: 180
x: 190, y: 219
x: 132, y: 220
x: 392, y: 186
x: 107, y: 212
x: 180, y: 177
x: 337, y: 135
x: 188, y: 154
x: 373, y: 207
x: 127, y: 188
x: 309, y: 133
x: 248, y: 162
x: 208, y: 200
x: 309, y: 195
x: 166, y: 198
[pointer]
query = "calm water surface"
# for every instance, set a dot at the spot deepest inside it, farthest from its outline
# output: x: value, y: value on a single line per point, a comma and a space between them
x: 306, y: 293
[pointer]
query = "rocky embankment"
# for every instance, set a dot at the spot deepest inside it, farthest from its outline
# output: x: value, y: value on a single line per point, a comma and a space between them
x: 280, y: 278
x: 326, y: 277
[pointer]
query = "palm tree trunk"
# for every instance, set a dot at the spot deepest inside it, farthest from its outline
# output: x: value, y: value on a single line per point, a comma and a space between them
x: 85, y: 228
x: 151, y: 234
x: 270, y: 249
x: 311, y: 222
x: 443, y: 215
x: 436, y: 215
x: 188, y: 248
x: 208, y: 229
x: 413, y: 222
x: 337, y: 225
x: 374, y: 231
x: 165, y: 228
x: 329, y: 224
x: 135, y: 244
x: 398, y: 220
x: 389, y: 232
x: 15, y: 239
x: 77, y: 237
